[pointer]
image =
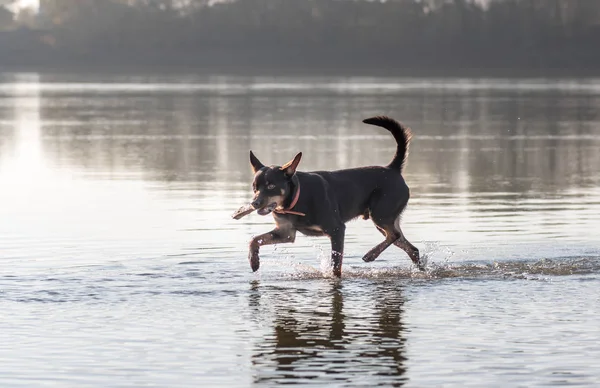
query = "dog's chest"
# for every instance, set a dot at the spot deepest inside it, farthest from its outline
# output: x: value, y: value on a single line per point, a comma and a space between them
x: 303, y: 224
x: 311, y: 230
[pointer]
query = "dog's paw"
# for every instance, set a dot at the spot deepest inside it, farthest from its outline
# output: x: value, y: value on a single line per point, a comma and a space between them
x: 421, y: 263
x: 254, y: 262
x: 369, y: 258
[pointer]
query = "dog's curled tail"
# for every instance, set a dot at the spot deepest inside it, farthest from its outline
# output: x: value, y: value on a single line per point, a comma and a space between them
x: 402, y: 135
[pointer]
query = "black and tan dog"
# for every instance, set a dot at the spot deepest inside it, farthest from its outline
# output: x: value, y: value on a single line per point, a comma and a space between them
x: 319, y: 203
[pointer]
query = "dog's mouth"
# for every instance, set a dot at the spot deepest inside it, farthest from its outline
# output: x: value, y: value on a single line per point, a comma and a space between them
x: 263, y: 211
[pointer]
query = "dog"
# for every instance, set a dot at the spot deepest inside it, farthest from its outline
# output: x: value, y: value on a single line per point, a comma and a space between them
x: 320, y: 203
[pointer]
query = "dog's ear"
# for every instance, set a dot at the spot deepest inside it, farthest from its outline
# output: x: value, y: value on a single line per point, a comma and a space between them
x: 290, y: 167
x: 255, y: 163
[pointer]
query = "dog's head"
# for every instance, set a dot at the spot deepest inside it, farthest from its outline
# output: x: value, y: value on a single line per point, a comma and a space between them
x: 271, y: 185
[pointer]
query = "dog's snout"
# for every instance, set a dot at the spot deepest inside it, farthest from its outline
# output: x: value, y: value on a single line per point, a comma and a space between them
x: 256, y: 204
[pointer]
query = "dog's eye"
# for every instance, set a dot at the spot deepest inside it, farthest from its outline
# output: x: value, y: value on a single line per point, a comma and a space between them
x: 271, y: 186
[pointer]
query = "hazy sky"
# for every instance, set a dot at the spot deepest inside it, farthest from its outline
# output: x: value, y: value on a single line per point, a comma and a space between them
x: 28, y: 3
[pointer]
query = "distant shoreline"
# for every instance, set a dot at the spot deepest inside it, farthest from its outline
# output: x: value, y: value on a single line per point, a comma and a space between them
x: 406, y: 38
x: 366, y: 71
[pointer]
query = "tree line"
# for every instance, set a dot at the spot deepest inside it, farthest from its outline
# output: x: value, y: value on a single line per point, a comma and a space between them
x: 307, y: 34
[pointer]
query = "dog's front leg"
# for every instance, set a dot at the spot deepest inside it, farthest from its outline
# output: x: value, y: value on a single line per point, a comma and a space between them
x: 276, y: 236
x: 337, y: 248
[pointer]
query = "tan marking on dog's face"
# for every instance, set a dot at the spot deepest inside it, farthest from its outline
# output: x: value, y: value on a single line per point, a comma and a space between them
x: 278, y: 199
x: 266, y: 204
x: 270, y: 186
x: 267, y: 200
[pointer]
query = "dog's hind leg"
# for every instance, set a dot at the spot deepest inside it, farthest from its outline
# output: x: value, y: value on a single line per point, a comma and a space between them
x: 383, y: 211
x: 276, y: 236
x: 400, y: 241
x: 407, y: 247
x: 391, y: 235
x: 411, y: 250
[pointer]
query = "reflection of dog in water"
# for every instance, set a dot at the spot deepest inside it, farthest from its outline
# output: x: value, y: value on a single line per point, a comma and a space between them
x: 329, y: 331
x: 320, y: 203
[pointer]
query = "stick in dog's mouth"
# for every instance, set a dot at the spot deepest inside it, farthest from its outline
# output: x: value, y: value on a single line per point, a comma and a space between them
x: 248, y: 208
x: 243, y: 211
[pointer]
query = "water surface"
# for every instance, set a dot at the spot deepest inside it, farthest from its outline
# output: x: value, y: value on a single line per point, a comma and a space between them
x: 120, y: 264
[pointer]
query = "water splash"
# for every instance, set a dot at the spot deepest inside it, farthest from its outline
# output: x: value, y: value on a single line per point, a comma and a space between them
x: 531, y: 270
